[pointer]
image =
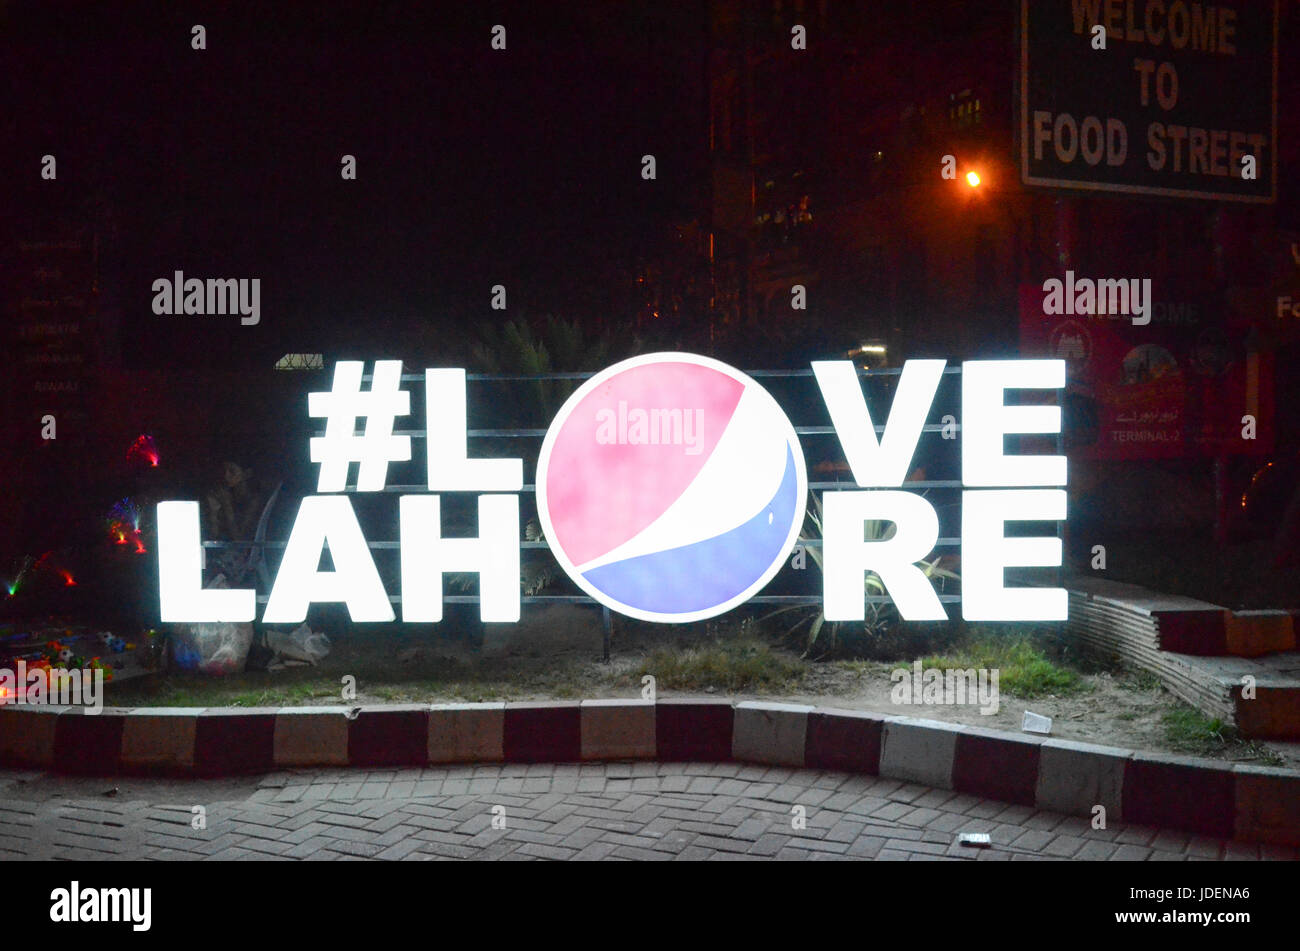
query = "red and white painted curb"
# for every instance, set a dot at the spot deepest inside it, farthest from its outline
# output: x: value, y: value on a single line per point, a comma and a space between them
x: 1206, y: 797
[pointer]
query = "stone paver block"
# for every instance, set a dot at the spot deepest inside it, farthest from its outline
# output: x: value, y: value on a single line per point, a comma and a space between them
x: 1194, y: 795
x: 311, y: 736
x: 1075, y: 777
x: 159, y: 738
x: 389, y: 823
x: 618, y: 729
x: 847, y: 740
x: 467, y: 733
x: 772, y: 733
x: 689, y: 729
x: 1267, y: 804
x: 919, y: 751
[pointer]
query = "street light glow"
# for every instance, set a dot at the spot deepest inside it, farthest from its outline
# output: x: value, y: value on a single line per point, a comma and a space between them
x: 972, y: 179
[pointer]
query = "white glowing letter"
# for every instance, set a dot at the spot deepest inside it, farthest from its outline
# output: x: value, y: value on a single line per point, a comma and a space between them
x: 847, y: 554
x: 182, y: 597
x: 450, y: 468
x: 986, y: 552
x: 985, y: 419
x: 342, y: 406
x: 426, y: 555
x: 327, y: 520
x: 883, y: 463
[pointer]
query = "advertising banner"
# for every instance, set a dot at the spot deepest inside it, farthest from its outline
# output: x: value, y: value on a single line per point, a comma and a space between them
x: 1174, y: 388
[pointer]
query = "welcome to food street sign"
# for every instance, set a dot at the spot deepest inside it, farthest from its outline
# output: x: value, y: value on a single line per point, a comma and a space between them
x: 1157, y: 97
x: 671, y: 488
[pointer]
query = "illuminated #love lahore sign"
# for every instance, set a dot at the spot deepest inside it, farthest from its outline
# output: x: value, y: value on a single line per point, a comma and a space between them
x: 670, y: 487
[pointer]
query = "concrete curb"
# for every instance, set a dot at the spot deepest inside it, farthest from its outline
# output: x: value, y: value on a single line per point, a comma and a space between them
x: 617, y: 729
x: 310, y: 736
x: 773, y: 733
x: 1267, y: 802
x: 1078, y: 777
x: 543, y: 732
x: 996, y: 765
x: 159, y: 739
x: 919, y: 751
x: 467, y: 733
x: 1202, y: 796
x: 844, y: 740
x: 1190, y: 794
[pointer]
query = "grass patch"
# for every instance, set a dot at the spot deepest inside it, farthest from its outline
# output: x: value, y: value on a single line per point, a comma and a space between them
x: 379, y: 679
x: 1190, y: 731
x: 1188, y: 728
x: 1024, y: 670
x: 240, y: 690
x: 729, y: 665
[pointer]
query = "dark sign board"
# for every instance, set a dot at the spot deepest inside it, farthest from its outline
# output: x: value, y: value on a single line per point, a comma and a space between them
x: 1181, y: 93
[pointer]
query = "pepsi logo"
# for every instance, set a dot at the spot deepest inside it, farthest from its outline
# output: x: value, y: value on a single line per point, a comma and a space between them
x: 671, y: 487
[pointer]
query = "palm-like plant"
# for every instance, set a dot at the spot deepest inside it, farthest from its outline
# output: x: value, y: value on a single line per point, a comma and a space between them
x: 537, y: 568
x: 514, y: 349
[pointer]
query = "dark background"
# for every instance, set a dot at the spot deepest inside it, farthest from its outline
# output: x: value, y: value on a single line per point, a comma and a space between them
x: 475, y: 167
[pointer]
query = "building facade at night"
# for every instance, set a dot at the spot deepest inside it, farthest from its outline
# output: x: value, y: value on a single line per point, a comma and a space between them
x: 826, y: 171
x: 827, y: 167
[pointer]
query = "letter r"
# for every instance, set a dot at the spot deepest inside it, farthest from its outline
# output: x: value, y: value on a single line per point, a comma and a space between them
x: 847, y: 554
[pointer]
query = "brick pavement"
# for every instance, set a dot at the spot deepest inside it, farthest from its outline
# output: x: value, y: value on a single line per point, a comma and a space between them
x: 638, y: 811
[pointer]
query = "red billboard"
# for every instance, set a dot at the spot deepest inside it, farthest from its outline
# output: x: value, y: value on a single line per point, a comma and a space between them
x: 1178, y: 386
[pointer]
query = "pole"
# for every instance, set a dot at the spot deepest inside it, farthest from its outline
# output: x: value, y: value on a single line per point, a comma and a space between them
x: 1060, y: 526
x: 607, y: 623
x: 1220, y: 499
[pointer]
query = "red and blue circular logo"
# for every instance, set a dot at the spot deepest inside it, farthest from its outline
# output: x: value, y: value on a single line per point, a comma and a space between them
x: 671, y: 487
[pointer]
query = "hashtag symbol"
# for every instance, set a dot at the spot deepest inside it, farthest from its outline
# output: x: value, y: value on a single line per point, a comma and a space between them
x: 341, y: 407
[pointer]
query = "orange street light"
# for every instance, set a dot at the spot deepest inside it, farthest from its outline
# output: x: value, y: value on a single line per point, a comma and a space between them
x: 972, y: 179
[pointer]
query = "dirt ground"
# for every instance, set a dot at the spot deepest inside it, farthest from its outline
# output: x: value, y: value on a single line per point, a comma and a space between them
x: 1114, y: 711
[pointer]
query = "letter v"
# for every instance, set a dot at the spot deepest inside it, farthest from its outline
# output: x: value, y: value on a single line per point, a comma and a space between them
x: 882, y: 464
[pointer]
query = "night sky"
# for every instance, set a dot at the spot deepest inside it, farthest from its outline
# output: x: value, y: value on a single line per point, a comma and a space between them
x: 475, y: 166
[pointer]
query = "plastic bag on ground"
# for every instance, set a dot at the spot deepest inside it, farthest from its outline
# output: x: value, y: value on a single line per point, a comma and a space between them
x: 212, y: 648
x: 302, y: 643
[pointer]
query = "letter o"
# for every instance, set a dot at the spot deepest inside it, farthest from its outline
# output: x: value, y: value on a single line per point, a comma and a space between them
x: 1092, y: 152
x: 1167, y: 86
x: 1064, y: 121
x: 1178, y: 37
x: 1154, y: 36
